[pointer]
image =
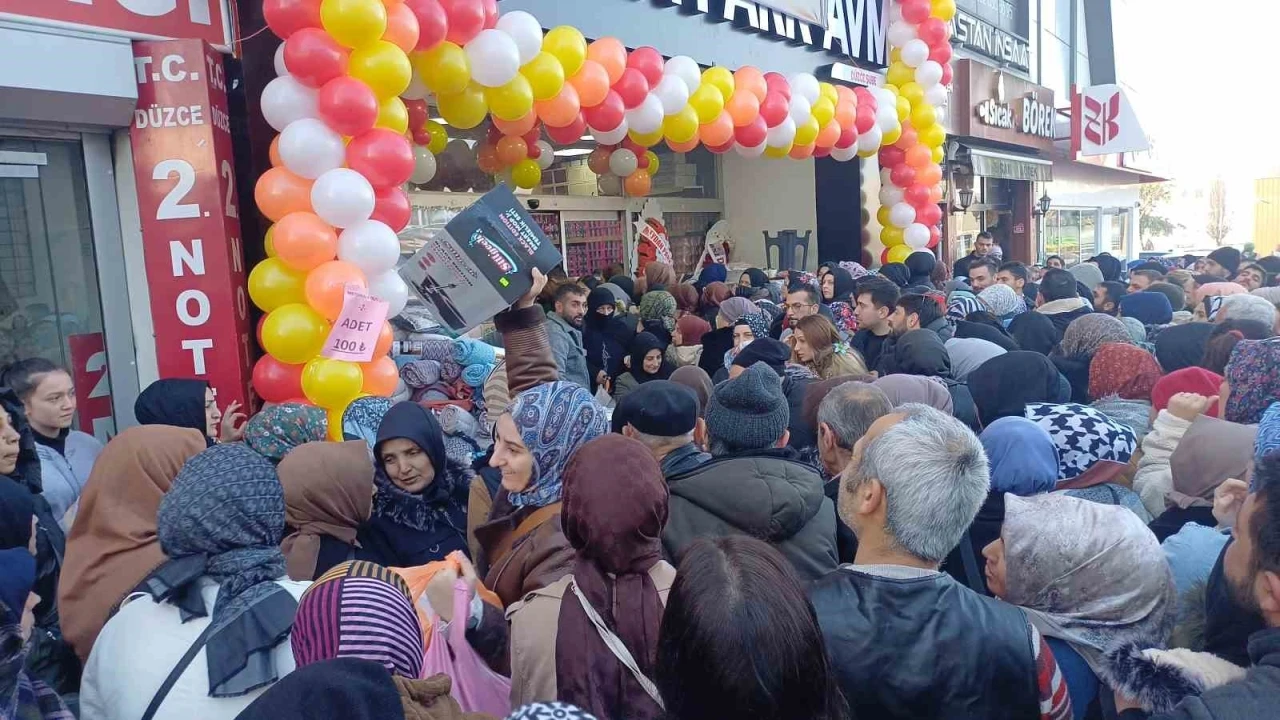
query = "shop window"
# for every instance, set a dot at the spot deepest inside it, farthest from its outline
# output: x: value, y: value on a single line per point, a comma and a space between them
x: 1118, y: 228
x: 593, y: 242
x: 1070, y: 234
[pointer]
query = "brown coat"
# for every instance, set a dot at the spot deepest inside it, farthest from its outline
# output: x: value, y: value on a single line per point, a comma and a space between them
x: 535, y: 623
x: 428, y: 699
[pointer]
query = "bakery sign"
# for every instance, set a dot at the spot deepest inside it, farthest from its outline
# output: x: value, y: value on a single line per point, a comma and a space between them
x: 1026, y: 115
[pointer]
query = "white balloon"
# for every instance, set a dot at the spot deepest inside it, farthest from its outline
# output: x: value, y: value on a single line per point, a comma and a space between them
x: 672, y: 93
x: 685, y: 68
x: 613, y: 137
x: 525, y: 30
x: 929, y: 73
x: 424, y: 165
x: 647, y: 117
x: 342, y: 197
x: 417, y: 90
x: 623, y: 162
x: 887, y: 122
x: 917, y: 236
x: 610, y: 185
x: 936, y: 95
x: 900, y: 33
x: 895, y: 12
x: 371, y: 246
x: 548, y: 156
x: 845, y: 154
x: 782, y: 135
x: 870, y: 140
x: 901, y: 215
x: 801, y: 109
x: 285, y: 100
x: 310, y: 149
x: 915, y: 52
x: 885, y: 174
x: 494, y: 58
x: 751, y: 152
x: 806, y: 86
x: 389, y: 287
x: 889, y: 194
x: 281, y: 69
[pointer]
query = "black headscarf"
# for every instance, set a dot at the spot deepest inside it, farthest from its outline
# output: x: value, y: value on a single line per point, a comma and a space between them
x: 845, y: 286
x: 173, y: 401
x: 757, y: 276
x: 920, y: 265
x: 627, y: 284
x: 920, y: 352
x: 605, y: 337
x: 16, y: 510
x: 1002, y: 386
x: 1035, y: 332
x: 596, y: 299
x: 1109, y: 266
x: 438, y: 502
x: 1182, y: 346
x: 350, y: 688
x: 896, y: 273
x: 985, y: 331
x: 643, y: 343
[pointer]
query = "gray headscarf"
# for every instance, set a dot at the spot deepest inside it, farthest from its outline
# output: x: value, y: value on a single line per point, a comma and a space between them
x: 903, y: 389
x: 1088, y: 274
x: 1088, y: 333
x: 968, y: 354
x: 623, y: 298
x: 1137, y: 331
x: 735, y: 307
x: 1090, y: 574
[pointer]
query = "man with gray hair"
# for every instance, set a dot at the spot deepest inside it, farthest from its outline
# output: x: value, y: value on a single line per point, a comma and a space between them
x: 906, y: 640
x: 1247, y: 307
x: 844, y: 416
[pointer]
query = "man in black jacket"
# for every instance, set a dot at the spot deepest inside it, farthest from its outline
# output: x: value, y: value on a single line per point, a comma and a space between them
x: 1060, y: 300
x: 981, y: 248
x: 876, y: 301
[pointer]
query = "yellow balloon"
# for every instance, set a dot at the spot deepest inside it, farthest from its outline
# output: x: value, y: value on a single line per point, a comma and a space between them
x: 569, y: 47
x: 923, y: 116
x: 354, y: 23
x: 912, y: 92
x: 464, y: 110
x: 823, y: 111
x: 777, y: 153
x: 895, y: 55
x: 944, y: 10
x: 545, y: 75
x: 653, y: 163
x: 882, y: 216
x: 331, y: 384
x: 938, y: 155
x: 864, y: 154
x: 511, y: 101
x: 294, y: 333
x: 807, y: 131
x: 526, y: 174
x: 272, y: 284
x: 891, y: 236
x: 892, y: 136
x: 393, y: 115
x: 904, y: 109
x: 649, y: 140
x: 708, y: 102
x: 335, y: 423
x: 439, y: 137
x: 444, y: 69
x: 269, y: 242
x: 828, y: 91
x: 899, y: 253
x: 383, y: 67
x: 899, y: 74
x: 721, y: 78
x: 681, y: 127
x: 933, y: 136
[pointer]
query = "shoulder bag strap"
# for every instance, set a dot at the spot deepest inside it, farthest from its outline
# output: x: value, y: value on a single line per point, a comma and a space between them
x: 176, y: 673
x: 615, y: 645
x: 528, y: 525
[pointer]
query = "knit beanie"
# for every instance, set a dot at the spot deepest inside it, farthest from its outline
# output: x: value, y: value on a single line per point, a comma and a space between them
x: 1227, y: 257
x: 749, y: 412
x: 773, y: 353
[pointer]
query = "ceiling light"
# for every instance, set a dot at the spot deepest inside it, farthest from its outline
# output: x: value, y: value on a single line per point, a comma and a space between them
x: 572, y: 152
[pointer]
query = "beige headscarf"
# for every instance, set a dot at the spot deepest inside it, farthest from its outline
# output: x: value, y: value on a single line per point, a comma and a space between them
x: 1210, y: 452
x: 328, y: 490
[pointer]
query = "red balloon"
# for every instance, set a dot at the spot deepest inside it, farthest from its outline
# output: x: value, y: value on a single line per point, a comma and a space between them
x: 775, y: 82
x: 261, y: 321
x: 904, y: 176
x: 421, y: 137
x: 634, y: 146
x: 276, y: 381
x: 391, y: 207
x: 347, y: 106
x: 935, y: 237
x: 947, y: 74
x: 821, y: 151
x: 433, y: 23
x: 775, y: 108
x: 417, y: 114
x: 891, y: 157
x: 494, y: 135
x: 941, y: 53
x: 384, y: 157
x: 642, y: 160
x: 570, y: 133
x: 932, y: 31
x: 884, y: 256
x: 631, y: 87
x: 534, y: 151
x: 649, y: 62
x: 848, y: 137
x: 917, y: 196
x: 286, y: 17
x: 466, y: 19
x: 752, y: 134
x: 532, y: 137
x: 864, y: 96
x: 722, y: 149
x: 314, y: 58
x: 608, y: 115
x: 864, y: 122
x: 930, y: 214
x: 915, y: 11
x: 490, y: 13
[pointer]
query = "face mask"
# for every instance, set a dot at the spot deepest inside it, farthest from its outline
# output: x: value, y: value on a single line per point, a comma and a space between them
x: 741, y: 346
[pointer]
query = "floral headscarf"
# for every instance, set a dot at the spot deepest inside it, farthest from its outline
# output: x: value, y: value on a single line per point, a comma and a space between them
x: 281, y: 428
x: 362, y: 417
x: 855, y: 269
x: 1124, y: 370
x: 554, y: 420
x: 1002, y: 301
x: 758, y: 324
x: 1088, y: 333
x: 659, y: 305
x: 1254, y: 381
x: 1268, y: 432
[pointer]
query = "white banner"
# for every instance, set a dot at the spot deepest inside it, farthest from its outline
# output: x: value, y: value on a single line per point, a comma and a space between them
x: 1107, y: 123
x: 813, y: 12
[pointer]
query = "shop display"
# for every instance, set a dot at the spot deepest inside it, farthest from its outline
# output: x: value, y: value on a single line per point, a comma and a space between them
x: 592, y: 244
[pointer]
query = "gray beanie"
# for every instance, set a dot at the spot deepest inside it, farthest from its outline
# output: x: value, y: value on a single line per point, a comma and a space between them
x: 749, y: 412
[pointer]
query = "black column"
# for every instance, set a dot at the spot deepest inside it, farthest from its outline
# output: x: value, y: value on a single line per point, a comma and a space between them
x: 838, y: 190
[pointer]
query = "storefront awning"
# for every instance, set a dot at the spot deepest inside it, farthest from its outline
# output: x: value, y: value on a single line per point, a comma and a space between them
x: 989, y: 163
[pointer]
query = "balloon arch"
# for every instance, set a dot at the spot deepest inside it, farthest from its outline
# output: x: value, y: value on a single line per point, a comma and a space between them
x: 351, y: 105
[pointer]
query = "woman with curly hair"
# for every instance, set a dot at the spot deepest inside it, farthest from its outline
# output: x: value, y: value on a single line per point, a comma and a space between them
x: 816, y: 345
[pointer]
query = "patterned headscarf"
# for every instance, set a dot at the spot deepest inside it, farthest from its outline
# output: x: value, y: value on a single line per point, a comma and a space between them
x: 1087, y: 573
x: 1088, y: 333
x: 1254, y: 382
x: 550, y: 711
x: 365, y: 613
x: 855, y: 269
x: 553, y: 420
x: 659, y: 305
x: 758, y: 324
x: 1002, y: 301
x: 280, y: 428
x: 1268, y: 432
x: 1124, y: 370
x: 361, y: 418
x: 960, y: 303
x: 1085, y: 438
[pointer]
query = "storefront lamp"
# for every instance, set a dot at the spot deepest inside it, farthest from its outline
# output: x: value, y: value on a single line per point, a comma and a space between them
x: 1045, y: 203
x: 964, y: 198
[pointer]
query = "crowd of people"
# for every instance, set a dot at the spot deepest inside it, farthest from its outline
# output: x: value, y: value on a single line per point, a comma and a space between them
x: 1016, y: 492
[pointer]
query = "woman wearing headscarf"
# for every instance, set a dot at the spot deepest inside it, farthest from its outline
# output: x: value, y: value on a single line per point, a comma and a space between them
x: 1121, y: 377
x: 187, y: 403
x: 897, y: 273
x: 983, y: 325
x: 1148, y: 308
x: 647, y: 362
x: 1081, y: 340
x: 963, y: 303
x: 659, y: 276
x: 753, y: 278
x: 968, y: 354
x: 720, y: 340
x: 918, y: 352
x: 605, y: 335
x: 1034, y: 332
x: 113, y: 545
x: 420, y: 507
x: 920, y: 265
x: 1089, y: 577
x: 712, y: 295
x: 628, y: 286
x: 1210, y: 452
x: 839, y: 294
x: 362, y: 417
x: 618, y: 575
x: 698, y: 381
x: 903, y: 389
x: 1224, y: 338
x: 686, y: 299
x: 1004, y: 385
x: 328, y: 496
x: 222, y: 592
x: 1093, y: 452
x: 22, y: 696
x: 713, y: 273
x: 1182, y: 346
x: 690, y: 330
x: 277, y: 429
x: 1178, y: 399
x: 658, y: 317
x: 621, y: 298
x: 1251, y: 383
x: 1003, y: 302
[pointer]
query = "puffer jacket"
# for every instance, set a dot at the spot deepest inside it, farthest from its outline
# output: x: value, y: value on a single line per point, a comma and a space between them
x: 1154, y: 478
x: 64, y: 476
x: 767, y: 494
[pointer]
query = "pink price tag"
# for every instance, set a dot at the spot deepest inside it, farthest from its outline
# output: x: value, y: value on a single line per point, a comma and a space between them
x: 355, y: 333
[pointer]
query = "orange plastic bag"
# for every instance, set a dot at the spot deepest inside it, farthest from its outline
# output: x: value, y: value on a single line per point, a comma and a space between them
x: 417, y: 579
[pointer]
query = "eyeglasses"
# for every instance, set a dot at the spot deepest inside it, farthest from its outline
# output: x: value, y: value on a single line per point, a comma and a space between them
x: 799, y: 306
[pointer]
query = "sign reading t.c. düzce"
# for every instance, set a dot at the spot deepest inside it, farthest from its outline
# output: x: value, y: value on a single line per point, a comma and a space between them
x: 190, y: 221
x: 202, y: 19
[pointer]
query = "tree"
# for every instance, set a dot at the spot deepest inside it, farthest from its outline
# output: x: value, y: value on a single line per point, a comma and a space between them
x: 1151, y: 224
x: 1219, y: 225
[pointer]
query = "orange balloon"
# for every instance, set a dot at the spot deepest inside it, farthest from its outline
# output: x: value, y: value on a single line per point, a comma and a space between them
x: 274, y: 153
x: 685, y: 147
x: 385, y: 338
x: 718, y: 131
x: 326, y: 287
x: 829, y: 135
x: 598, y: 161
x: 302, y: 240
x: 801, y: 152
x: 908, y: 138
x: 846, y: 114
x: 611, y: 54
x: 592, y: 83
x: 752, y: 80
x: 280, y: 192
x: 935, y: 194
x: 919, y: 155
x: 516, y: 127
x: 381, y: 376
x: 402, y: 27
x: 845, y: 94
x: 743, y: 107
x: 487, y: 159
x: 929, y: 175
x: 561, y: 110
x: 638, y: 183
x: 512, y: 150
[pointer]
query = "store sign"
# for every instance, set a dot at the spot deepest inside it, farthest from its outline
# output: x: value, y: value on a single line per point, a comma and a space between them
x: 981, y: 37
x: 1026, y: 115
x: 203, y: 19
x: 190, y: 220
x: 990, y: 104
x: 853, y: 28
x: 813, y: 12
x: 856, y: 75
x: 1103, y: 122
x: 93, y: 387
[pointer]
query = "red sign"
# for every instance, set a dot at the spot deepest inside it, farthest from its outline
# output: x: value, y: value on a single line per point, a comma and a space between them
x: 203, y: 19
x: 190, y: 222
x: 93, y: 388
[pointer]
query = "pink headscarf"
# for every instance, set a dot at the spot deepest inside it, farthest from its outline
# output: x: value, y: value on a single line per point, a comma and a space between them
x: 1220, y: 289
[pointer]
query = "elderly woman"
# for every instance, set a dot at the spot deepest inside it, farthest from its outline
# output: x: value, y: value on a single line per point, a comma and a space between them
x: 1089, y: 577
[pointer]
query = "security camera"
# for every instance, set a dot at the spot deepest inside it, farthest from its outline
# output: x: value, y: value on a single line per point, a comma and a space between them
x: 533, y: 204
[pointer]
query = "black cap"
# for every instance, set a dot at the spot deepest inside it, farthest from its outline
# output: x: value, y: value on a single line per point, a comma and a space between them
x: 658, y: 407
x: 773, y: 353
